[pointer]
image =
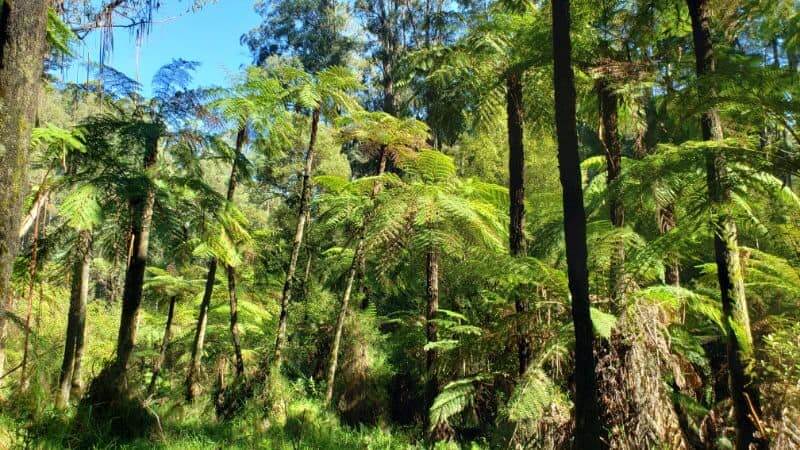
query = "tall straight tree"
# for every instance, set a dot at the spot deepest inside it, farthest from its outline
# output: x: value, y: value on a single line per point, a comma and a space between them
x: 70, y: 377
x: 141, y: 207
x: 608, y: 101
x: 588, y: 428
x: 192, y: 385
x: 381, y: 136
x: 743, y: 387
x: 23, y: 44
x: 330, y: 90
x: 516, y: 191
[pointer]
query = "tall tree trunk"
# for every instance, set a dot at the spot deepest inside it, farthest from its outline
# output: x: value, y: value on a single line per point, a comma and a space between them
x: 23, y: 45
x: 24, y: 377
x: 241, y: 139
x: 162, y: 354
x: 76, y: 321
x: 588, y: 429
x: 343, y: 309
x: 359, y: 258
x: 743, y: 387
x: 305, y: 197
x: 516, y: 190
x: 192, y: 383
x: 142, y: 217
x: 609, y: 136
x: 440, y: 431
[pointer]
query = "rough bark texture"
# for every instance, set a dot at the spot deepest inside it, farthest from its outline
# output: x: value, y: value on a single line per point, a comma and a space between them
x: 516, y: 190
x: 305, y: 197
x: 241, y: 139
x: 76, y: 321
x: 192, y: 382
x: 162, y: 354
x: 142, y: 217
x: 743, y: 388
x: 608, y: 101
x: 588, y: 429
x: 440, y: 431
x: 22, y: 49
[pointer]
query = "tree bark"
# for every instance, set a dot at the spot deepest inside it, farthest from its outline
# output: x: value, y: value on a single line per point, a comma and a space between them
x: 343, y: 309
x: 142, y: 217
x: 743, y: 387
x: 516, y: 190
x: 162, y: 354
x: 609, y: 137
x: 192, y: 384
x: 305, y: 197
x: 241, y: 139
x: 76, y: 321
x: 23, y: 46
x: 588, y: 429
x: 24, y: 377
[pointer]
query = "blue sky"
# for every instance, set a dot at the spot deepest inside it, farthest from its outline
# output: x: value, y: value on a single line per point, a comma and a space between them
x: 210, y: 36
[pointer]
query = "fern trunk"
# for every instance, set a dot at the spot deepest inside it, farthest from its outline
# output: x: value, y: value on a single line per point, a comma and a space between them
x: 516, y: 190
x: 359, y: 258
x: 142, y: 217
x: 588, y: 428
x: 162, y: 354
x: 23, y: 45
x: 192, y: 383
x: 69, y: 379
x: 743, y: 386
x: 305, y: 197
x: 608, y: 101
x: 24, y: 375
x: 241, y: 138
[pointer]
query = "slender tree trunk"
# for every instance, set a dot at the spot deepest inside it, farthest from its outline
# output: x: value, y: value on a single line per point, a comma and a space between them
x: 343, y: 309
x: 142, y: 217
x: 192, y: 383
x: 609, y: 136
x: 441, y: 431
x: 358, y: 262
x: 234, y: 324
x: 516, y: 190
x: 241, y: 139
x: 305, y: 197
x: 23, y: 46
x: 362, y: 263
x: 24, y: 377
x: 588, y: 428
x: 76, y: 321
x: 743, y: 387
x: 162, y: 354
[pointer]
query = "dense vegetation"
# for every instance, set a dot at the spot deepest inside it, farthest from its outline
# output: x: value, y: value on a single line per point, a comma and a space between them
x: 473, y: 224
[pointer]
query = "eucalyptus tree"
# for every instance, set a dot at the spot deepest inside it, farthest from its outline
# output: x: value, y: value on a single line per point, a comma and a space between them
x: 23, y: 45
x: 317, y: 32
x: 326, y: 93
x: 385, y: 137
x: 744, y: 387
x: 588, y: 429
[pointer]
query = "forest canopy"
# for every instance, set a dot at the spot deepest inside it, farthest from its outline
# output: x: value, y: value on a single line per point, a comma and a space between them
x: 563, y: 224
